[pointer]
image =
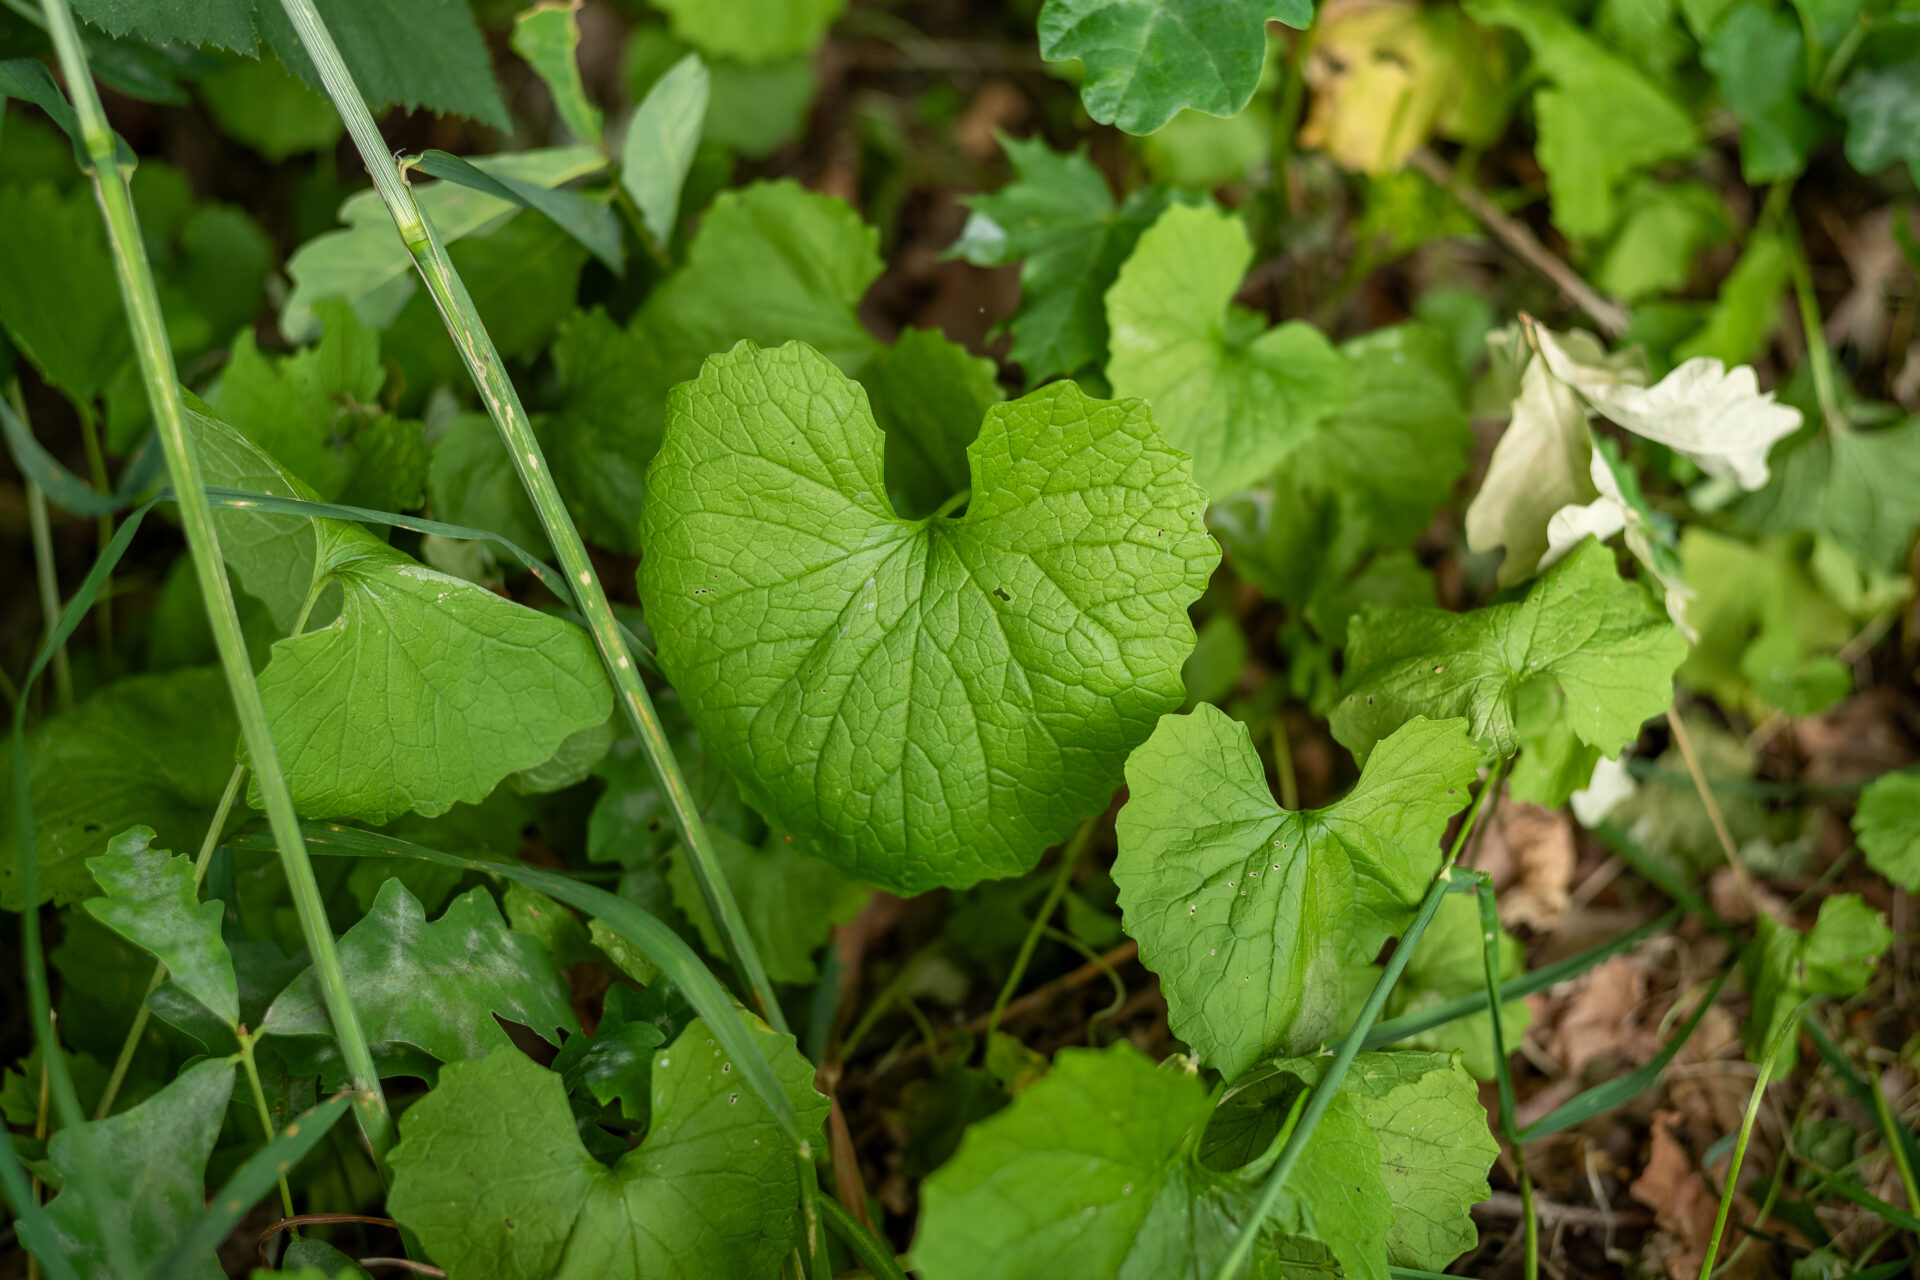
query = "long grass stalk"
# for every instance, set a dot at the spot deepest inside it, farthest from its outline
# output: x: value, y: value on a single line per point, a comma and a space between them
x: 43, y: 566
x: 155, y: 356
x: 1781, y: 1038
x: 496, y: 389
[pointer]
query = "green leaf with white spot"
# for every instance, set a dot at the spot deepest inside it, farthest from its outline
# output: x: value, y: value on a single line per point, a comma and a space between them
x: 426, y: 690
x: 1887, y: 824
x: 1612, y: 652
x: 922, y: 701
x: 1251, y: 913
x: 152, y: 901
x: 491, y: 1175
x: 153, y: 1160
x: 1059, y: 221
x: 151, y: 750
x: 1234, y: 394
x: 1148, y: 59
x: 436, y: 986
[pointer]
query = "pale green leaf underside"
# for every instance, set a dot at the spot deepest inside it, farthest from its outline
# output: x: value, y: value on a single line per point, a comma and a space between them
x: 1148, y: 59
x: 434, y: 985
x: 152, y: 901
x: 1236, y: 397
x: 153, y: 1158
x: 1250, y: 913
x: 491, y: 1174
x: 660, y: 140
x: 1612, y: 652
x: 427, y: 690
x: 926, y: 702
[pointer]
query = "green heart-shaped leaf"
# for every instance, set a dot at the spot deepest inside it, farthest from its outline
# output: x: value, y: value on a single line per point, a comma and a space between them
x: 925, y: 701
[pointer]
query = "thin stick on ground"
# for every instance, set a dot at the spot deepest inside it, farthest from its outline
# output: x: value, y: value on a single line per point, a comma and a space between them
x: 1720, y: 829
x: 1515, y: 235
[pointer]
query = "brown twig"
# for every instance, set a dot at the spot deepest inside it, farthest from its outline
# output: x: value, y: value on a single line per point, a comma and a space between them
x: 1516, y: 236
x: 404, y: 1264
x: 1682, y: 740
x: 315, y: 1219
x: 1505, y: 1204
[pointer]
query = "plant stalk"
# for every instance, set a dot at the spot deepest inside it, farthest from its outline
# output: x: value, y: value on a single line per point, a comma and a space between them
x: 260, y: 1105
x: 1509, y: 1124
x: 1322, y: 1096
x: 43, y: 567
x: 1781, y: 1038
x: 196, y: 517
x: 496, y: 389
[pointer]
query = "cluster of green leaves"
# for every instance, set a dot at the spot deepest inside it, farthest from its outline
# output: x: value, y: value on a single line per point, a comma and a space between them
x: 908, y: 632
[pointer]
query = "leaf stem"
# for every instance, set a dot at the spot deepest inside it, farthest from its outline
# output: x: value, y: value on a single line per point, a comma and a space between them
x: 196, y: 517
x: 1891, y: 1128
x: 260, y: 1104
x: 1819, y: 355
x: 142, y: 1014
x: 1322, y: 1095
x: 103, y: 523
x: 1781, y: 1039
x: 1510, y: 231
x: 1062, y: 878
x: 496, y: 390
x: 871, y: 1253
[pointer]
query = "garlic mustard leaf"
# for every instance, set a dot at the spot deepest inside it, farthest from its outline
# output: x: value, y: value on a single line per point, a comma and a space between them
x: 1435, y: 1145
x: 152, y: 901
x: 1862, y: 489
x: 436, y: 986
x: 1600, y: 118
x: 1611, y: 651
x: 59, y: 300
x: 153, y: 1159
x: 751, y: 30
x: 1058, y: 219
x: 1250, y: 913
x: 425, y: 690
x: 491, y: 1174
x: 1888, y: 826
x: 1148, y: 59
x: 771, y: 262
x: 922, y: 701
x: 1104, y: 1169
x: 1226, y: 389
x: 155, y: 750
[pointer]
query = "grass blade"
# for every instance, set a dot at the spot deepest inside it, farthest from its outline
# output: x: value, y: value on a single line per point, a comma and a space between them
x: 585, y: 219
x: 1605, y: 1097
x: 1397, y: 1029
x: 30, y: 1221
x: 148, y: 326
x: 497, y: 392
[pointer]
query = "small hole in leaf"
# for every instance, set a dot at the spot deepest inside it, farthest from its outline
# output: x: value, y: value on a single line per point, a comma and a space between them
x: 1002, y: 593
